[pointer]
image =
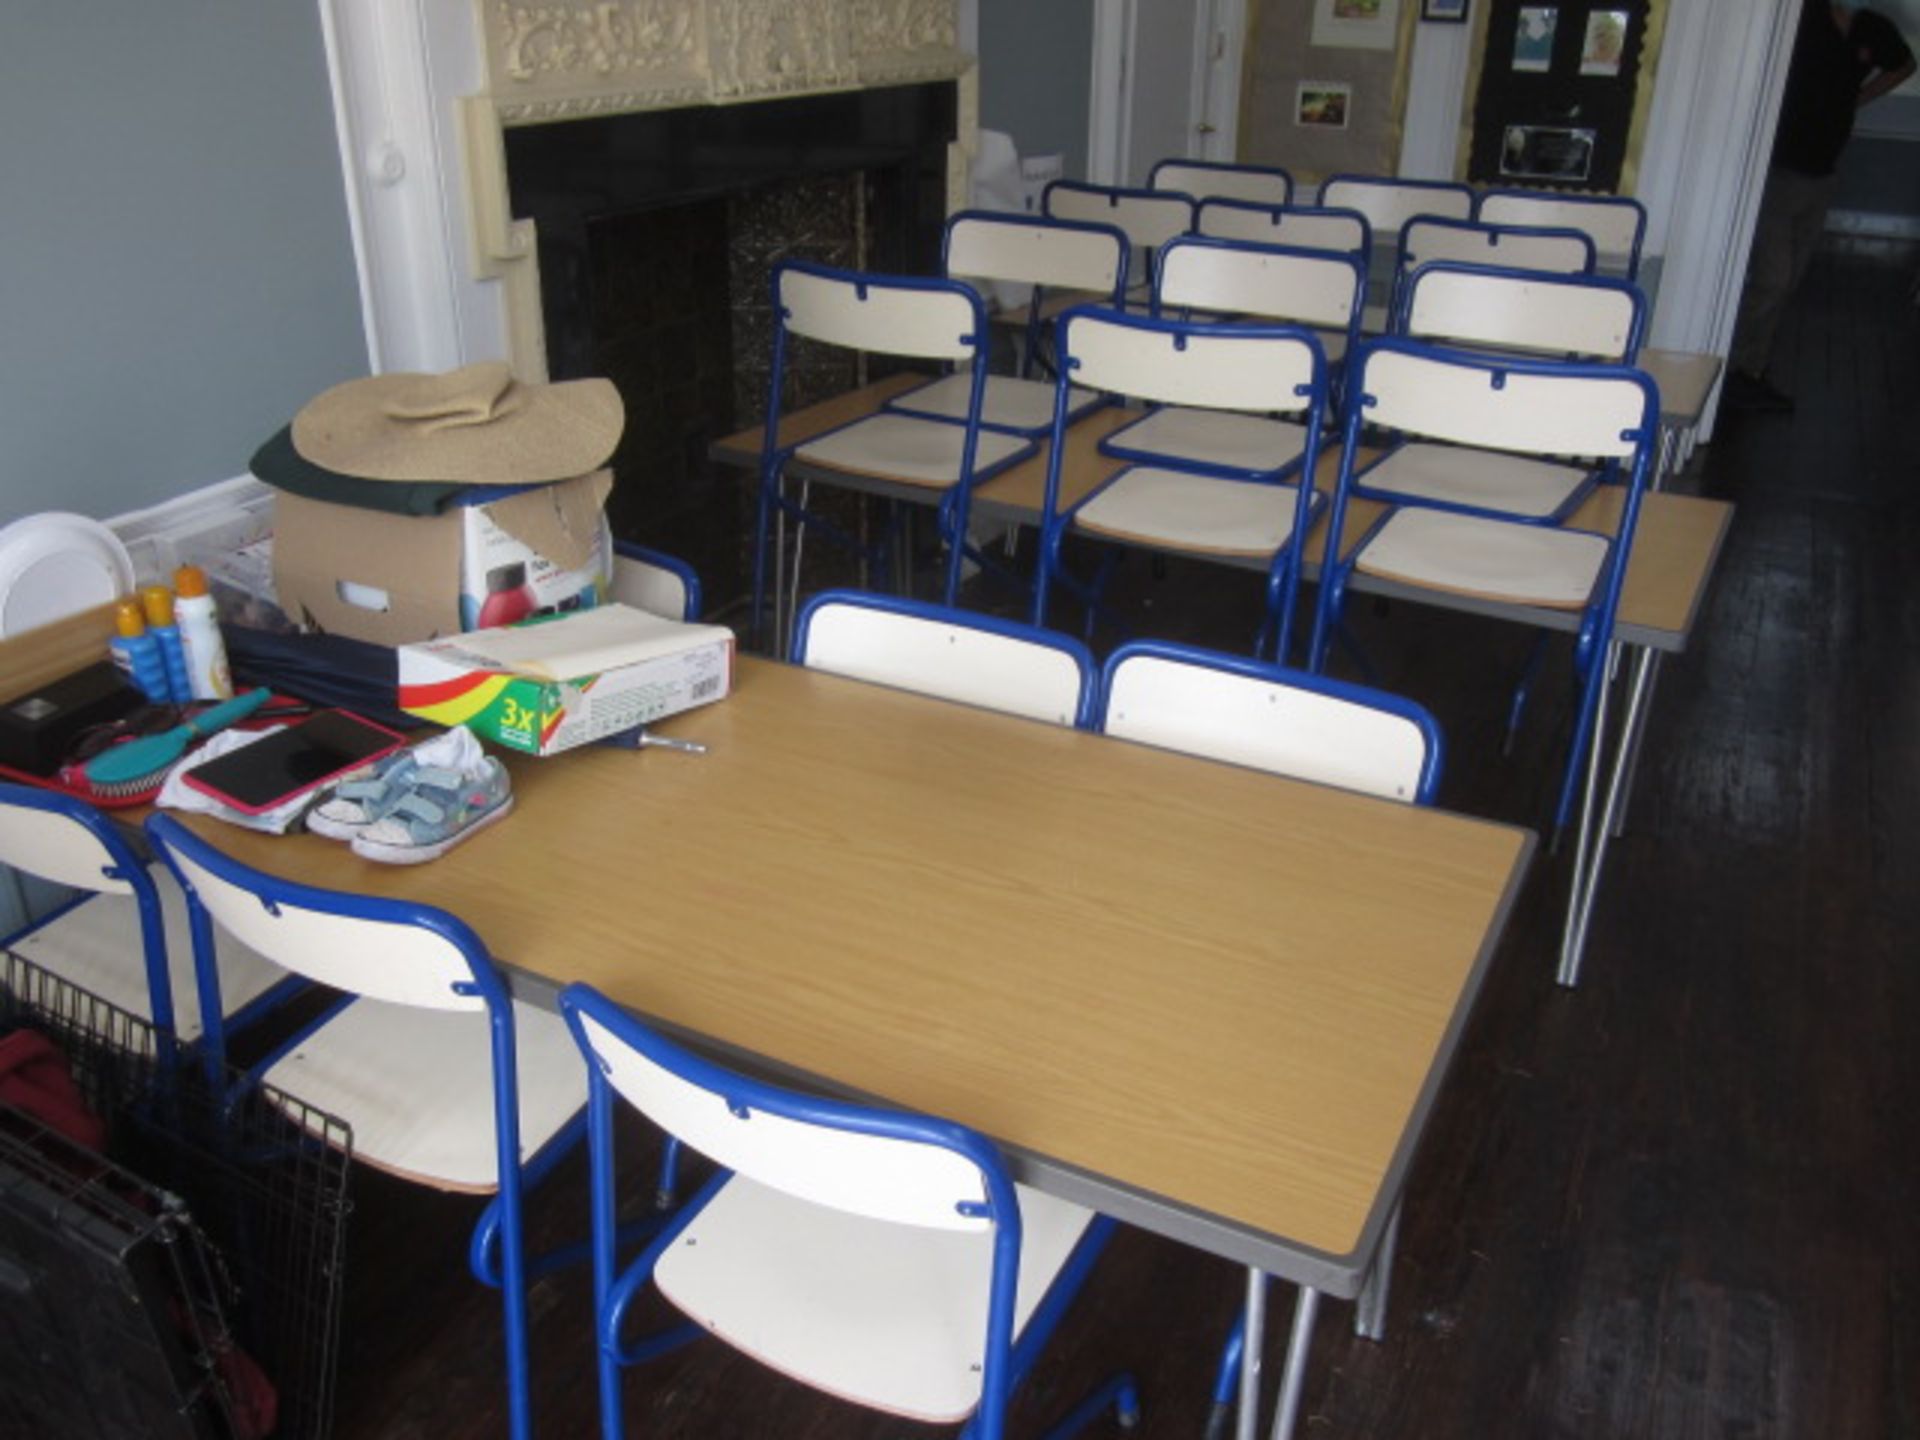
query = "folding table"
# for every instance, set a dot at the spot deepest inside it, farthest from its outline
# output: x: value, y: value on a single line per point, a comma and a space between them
x: 1675, y: 550
x: 1224, y: 1019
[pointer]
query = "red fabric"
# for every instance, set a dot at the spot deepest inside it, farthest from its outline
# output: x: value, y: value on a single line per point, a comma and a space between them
x: 35, y: 1078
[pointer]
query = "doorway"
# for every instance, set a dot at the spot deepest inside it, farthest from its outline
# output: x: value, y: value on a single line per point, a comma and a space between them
x: 1166, y: 84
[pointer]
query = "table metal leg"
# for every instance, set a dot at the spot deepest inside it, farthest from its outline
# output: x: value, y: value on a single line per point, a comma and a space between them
x: 1293, y: 1379
x: 1596, y: 820
x: 1370, y: 1310
x: 1252, y: 1345
x: 1631, y: 740
x: 791, y: 609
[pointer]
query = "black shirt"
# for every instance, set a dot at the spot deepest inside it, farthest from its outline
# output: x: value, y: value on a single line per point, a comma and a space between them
x: 1823, y: 84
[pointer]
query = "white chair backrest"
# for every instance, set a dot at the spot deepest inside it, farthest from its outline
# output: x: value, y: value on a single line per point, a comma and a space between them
x: 1424, y: 240
x: 1310, y: 289
x: 57, y: 848
x: 889, y: 318
x: 1389, y: 204
x: 1500, y: 409
x: 945, y: 659
x: 404, y: 964
x: 1614, y: 224
x: 1033, y: 252
x: 1343, y: 231
x: 1223, y: 371
x: 652, y: 588
x: 879, y: 1177
x: 1266, y: 724
x: 1255, y: 183
x: 1523, y: 312
x: 1148, y: 220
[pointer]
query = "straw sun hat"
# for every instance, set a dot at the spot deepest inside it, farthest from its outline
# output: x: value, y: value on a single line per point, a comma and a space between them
x: 475, y: 426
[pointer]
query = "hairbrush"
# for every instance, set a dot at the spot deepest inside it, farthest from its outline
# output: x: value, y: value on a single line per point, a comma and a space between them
x: 140, y: 764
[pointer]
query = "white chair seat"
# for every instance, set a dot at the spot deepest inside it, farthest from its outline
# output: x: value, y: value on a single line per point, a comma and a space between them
x: 1481, y: 479
x: 1229, y: 439
x: 96, y: 946
x: 1010, y: 403
x: 908, y: 448
x: 1492, y: 559
x: 1192, y: 512
x: 416, y: 1085
x: 890, y: 1316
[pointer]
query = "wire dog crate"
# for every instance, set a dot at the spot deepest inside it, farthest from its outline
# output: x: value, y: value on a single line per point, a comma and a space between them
x: 263, y: 1178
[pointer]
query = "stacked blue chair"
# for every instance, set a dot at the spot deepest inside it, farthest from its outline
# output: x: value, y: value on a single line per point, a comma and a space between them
x: 1607, y: 415
x: 1212, y: 470
x: 935, y: 460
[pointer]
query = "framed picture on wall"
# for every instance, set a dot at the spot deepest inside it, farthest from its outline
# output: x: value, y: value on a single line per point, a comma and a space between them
x: 1450, y: 11
x: 1322, y: 103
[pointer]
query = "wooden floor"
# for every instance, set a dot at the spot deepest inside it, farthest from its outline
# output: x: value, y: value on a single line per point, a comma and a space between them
x: 1678, y: 1202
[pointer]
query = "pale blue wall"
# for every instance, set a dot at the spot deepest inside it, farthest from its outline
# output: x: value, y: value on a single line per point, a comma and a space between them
x: 1035, y: 73
x: 178, y: 272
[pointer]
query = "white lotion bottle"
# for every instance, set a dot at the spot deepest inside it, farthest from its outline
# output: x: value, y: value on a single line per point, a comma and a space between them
x: 199, y: 624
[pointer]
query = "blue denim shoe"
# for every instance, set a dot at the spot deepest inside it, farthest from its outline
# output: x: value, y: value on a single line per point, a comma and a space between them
x: 438, y: 809
x: 363, y: 797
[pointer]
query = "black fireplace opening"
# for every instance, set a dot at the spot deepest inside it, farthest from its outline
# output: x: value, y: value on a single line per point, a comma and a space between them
x: 657, y: 235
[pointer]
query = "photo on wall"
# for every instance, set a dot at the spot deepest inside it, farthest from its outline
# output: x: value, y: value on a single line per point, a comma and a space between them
x: 1533, y: 37
x: 1324, y: 104
x: 1355, y: 24
x: 1546, y: 152
x: 1605, y: 43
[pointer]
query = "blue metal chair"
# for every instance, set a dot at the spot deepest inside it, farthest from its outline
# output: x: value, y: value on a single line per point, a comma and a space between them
x: 1532, y: 315
x: 1217, y: 385
x: 949, y: 654
x: 1287, y: 722
x: 1202, y: 277
x: 1148, y: 218
x: 656, y: 582
x: 883, y: 1257
x: 1607, y: 414
x: 1303, y: 227
x: 1036, y: 255
x: 444, y: 1079
x: 1389, y: 202
x: 1219, y: 180
x: 1270, y: 717
x: 931, y: 460
x: 1427, y: 239
x: 115, y: 939
x: 1617, y: 223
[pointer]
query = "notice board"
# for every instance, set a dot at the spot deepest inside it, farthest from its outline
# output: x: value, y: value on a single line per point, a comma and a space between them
x: 1325, y: 85
x: 1561, y: 92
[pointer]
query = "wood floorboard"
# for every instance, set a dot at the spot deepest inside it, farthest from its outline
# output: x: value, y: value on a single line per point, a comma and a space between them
x: 1678, y: 1202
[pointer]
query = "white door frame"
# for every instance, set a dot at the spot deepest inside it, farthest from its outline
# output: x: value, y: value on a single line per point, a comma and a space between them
x: 1110, y: 102
x: 1109, y: 93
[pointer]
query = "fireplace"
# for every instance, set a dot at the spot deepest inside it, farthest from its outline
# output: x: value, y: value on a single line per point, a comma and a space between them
x: 657, y: 232
x: 460, y: 262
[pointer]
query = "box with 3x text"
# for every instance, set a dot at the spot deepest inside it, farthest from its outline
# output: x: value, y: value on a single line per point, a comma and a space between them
x: 554, y: 684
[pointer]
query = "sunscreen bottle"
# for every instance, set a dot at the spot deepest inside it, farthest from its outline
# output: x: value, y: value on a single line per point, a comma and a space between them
x: 136, y: 654
x: 200, y: 639
x: 157, y: 601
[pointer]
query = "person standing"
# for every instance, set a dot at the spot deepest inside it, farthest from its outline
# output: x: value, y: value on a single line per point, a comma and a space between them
x: 1843, y: 57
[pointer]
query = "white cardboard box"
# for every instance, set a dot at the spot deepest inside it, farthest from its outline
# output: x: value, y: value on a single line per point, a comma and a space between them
x: 554, y: 684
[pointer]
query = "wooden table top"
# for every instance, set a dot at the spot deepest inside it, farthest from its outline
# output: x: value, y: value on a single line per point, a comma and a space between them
x: 1674, y: 551
x: 1193, y: 982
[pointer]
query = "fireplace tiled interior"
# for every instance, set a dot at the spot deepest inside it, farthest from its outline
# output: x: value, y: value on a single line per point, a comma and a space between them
x: 657, y: 234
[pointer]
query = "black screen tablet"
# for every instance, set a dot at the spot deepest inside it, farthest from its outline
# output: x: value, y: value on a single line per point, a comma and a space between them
x: 288, y: 763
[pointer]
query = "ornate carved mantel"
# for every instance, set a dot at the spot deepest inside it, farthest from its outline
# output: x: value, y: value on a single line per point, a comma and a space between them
x: 575, y: 58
